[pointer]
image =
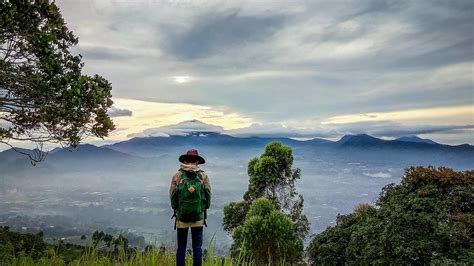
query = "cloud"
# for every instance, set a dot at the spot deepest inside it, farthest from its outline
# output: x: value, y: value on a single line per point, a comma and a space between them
x: 165, y: 119
x: 116, y: 112
x: 382, y: 129
x: 452, y: 54
x: 281, y: 130
x: 255, y: 129
x: 182, y: 128
x: 104, y: 53
x: 378, y: 175
x: 436, y: 120
x: 462, y: 113
x: 214, y: 33
x: 153, y: 119
x: 279, y: 63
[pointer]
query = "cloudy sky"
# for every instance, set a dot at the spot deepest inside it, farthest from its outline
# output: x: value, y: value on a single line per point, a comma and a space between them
x: 283, y: 68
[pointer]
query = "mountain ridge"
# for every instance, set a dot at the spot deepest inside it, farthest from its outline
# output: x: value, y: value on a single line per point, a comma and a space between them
x: 416, y: 139
x: 215, y: 138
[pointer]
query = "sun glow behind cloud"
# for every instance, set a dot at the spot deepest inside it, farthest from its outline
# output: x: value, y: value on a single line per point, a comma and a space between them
x: 181, y: 79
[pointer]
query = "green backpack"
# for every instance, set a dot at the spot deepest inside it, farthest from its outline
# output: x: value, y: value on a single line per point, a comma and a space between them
x: 189, y: 198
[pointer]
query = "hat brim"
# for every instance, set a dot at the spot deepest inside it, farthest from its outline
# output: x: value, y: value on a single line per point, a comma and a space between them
x: 186, y: 157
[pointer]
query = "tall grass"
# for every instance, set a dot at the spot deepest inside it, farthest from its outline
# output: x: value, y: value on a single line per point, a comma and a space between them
x: 94, y: 257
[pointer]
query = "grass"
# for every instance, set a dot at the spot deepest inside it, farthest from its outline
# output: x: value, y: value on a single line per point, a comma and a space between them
x: 147, y: 258
x: 93, y: 256
x: 29, y: 249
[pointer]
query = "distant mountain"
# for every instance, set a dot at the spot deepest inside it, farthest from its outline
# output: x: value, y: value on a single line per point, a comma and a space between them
x: 413, y: 142
x: 317, y: 141
x: 85, y: 151
x: 94, y: 158
x: 359, y: 140
x: 12, y: 154
x: 80, y: 152
x: 150, y: 146
x: 151, y: 153
x: 84, y: 157
x: 415, y: 139
x: 18, y: 157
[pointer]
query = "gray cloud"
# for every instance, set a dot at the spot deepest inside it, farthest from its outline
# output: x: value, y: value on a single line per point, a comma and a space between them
x: 376, y: 6
x: 262, y: 130
x: 103, y: 53
x: 328, y: 58
x: 213, y: 33
x: 182, y: 128
x: 116, y: 112
x: 451, y: 54
x: 279, y: 130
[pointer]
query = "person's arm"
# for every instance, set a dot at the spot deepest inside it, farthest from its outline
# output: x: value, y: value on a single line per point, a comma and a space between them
x: 207, y: 189
x: 174, y: 183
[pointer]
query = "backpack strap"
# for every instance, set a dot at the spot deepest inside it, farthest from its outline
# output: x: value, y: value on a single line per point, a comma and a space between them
x: 183, y: 173
x: 180, y: 177
x: 201, y: 179
x: 175, y: 218
x: 199, y: 175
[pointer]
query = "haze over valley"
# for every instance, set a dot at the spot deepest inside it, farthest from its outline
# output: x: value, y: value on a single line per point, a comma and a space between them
x: 123, y: 187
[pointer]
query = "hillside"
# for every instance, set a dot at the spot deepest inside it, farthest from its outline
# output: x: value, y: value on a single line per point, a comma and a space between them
x: 425, y: 220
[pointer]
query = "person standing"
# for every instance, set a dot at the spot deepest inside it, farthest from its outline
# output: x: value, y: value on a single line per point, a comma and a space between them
x: 190, y: 195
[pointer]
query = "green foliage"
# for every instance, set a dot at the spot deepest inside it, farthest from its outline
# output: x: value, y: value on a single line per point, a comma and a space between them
x: 267, y: 236
x: 428, y: 218
x: 114, y: 244
x: 234, y: 214
x: 16, y: 249
x: 13, y: 243
x: 270, y: 177
x: 43, y: 95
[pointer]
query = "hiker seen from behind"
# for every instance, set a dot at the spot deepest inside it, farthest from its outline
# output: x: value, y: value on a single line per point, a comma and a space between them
x: 190, y: 194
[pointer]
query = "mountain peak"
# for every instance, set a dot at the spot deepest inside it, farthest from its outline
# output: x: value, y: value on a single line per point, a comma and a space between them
x: 358, y: 139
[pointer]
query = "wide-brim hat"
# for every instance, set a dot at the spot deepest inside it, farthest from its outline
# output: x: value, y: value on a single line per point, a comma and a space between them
x: 191, y: 155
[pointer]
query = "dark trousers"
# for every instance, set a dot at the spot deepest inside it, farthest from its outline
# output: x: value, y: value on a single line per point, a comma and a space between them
x: 196, y: 235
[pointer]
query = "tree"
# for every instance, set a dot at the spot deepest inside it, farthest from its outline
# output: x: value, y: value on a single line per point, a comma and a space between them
x: 267, y: 236
x: 43, y: 95
x: 270, y: 177
x: 426, y: 219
